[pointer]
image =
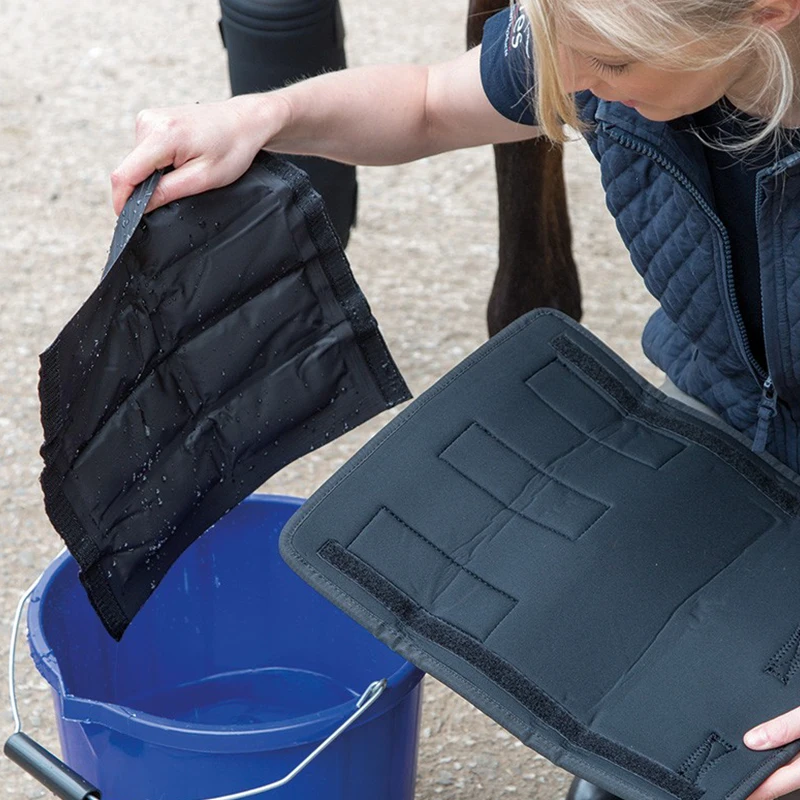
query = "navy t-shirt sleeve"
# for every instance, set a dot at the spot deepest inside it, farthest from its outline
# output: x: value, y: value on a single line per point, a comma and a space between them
x: 507, y: 64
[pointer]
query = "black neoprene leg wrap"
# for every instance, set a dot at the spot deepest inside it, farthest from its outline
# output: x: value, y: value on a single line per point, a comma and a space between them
x: 271, y: 43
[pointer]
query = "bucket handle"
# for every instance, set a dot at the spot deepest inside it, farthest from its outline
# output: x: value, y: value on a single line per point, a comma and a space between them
x: 56, y: 776
x: 370, y: 696
x: 50, y: 771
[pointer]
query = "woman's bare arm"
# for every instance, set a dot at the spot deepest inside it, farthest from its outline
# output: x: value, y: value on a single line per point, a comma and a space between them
x: 369, y: 115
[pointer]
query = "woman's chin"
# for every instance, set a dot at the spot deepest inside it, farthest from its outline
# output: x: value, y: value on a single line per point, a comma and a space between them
x: 656, y: 114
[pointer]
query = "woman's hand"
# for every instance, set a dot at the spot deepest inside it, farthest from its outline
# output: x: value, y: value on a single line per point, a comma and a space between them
x: 777, y: 732
x: 383, y: 114
x: 209, y: 145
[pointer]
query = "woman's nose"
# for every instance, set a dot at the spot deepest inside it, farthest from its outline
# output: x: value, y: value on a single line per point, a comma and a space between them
x: 574, y: 77
x: 579, y: 80
x: 578, y: 83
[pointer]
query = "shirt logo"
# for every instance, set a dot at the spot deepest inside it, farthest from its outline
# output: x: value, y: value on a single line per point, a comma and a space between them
x: 518, y: 31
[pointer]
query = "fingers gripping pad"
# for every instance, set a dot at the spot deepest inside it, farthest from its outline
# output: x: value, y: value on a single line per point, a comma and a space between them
x: 610, y: 576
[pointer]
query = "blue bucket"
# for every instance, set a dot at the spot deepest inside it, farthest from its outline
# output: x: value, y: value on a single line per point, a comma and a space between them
x: 230, y: 676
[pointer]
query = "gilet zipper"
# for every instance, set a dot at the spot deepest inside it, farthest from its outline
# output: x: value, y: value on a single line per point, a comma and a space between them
x: 767, y: 407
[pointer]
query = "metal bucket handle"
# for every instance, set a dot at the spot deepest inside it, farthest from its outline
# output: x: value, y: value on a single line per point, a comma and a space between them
x: 64, y: 782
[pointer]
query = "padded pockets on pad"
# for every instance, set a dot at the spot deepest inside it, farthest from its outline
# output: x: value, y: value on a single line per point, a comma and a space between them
x: 452, y: 592
x: 519, y: 485
x: 597, y: 420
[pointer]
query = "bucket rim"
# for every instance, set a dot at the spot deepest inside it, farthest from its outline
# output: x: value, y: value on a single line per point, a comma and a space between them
x: 169, y: 732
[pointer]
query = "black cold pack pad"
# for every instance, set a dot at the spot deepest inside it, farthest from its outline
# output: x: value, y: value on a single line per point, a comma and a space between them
x: 610, y: 576
x: 227, y: 338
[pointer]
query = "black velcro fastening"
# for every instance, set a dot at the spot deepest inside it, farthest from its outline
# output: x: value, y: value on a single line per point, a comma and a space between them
x: 542, y: 707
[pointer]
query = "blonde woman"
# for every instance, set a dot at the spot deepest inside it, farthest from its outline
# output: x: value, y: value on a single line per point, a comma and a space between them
x: 690, y: 107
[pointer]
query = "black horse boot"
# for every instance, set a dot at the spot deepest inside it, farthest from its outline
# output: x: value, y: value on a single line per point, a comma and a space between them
x: 583, y: 790
x: 271, y: 43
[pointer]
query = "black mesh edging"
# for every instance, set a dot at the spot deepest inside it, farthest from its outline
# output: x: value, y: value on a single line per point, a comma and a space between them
x: 84, y: 551
x: 503, y: 674
x: 106, y: 605
x: 732, y: 453
x: 370, y: 341
x: 50, y: 394
x: 49, y: 369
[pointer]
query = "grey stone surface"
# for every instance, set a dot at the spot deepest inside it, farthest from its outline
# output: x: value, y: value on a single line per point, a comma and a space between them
x: 74, y: 75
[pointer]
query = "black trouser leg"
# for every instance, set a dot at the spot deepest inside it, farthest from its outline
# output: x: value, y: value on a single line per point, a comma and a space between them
x: 583, y: 790
x: 273, y: 42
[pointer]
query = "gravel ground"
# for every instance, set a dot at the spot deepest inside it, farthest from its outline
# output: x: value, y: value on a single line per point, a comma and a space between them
x: 74, y: 75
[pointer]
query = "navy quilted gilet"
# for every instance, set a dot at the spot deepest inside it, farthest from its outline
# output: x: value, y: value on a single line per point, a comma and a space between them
x: 659, y: 191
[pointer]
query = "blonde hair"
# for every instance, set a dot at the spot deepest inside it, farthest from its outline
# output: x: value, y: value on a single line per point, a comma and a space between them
x: 661, y: 33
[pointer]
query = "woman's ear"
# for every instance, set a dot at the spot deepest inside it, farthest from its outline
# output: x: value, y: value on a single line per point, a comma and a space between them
x: 775, y: 14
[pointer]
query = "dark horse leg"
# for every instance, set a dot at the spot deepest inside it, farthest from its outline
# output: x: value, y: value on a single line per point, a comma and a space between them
x: 535, y: 266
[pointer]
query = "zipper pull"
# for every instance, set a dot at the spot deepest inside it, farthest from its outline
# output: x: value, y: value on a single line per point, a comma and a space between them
x: 767, y: 409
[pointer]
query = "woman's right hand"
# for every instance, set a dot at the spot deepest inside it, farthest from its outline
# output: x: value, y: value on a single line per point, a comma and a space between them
x: 209, y: 146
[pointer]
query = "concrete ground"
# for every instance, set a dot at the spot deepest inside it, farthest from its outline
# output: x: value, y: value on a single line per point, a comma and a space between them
x: 74, y: 75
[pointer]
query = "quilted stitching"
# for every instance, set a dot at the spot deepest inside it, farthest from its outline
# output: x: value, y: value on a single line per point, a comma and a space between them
x: 678, y: 250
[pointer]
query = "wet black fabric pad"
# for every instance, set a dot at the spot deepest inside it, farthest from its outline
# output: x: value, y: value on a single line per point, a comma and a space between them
x: 611, y: 577
x: 226, y: 339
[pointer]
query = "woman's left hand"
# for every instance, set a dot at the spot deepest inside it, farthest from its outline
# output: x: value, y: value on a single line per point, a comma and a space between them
x: 776, y: 733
